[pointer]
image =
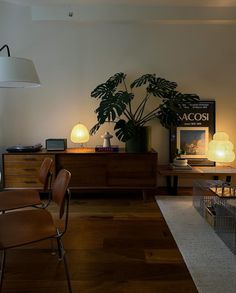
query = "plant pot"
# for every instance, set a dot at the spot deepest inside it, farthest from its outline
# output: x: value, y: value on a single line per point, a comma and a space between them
x: 140, y: 143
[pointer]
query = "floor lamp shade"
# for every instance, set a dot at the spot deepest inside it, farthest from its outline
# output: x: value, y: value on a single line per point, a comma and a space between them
x: 17, y: 72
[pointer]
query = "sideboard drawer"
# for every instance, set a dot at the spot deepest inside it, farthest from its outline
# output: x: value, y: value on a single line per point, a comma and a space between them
x: 21, y: 170
x: 22, y: 182
x: 87, y: 170
x: 132, y: 170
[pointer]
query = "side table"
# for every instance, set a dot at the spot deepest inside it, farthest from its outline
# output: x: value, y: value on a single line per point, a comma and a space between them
x: 172, y: 175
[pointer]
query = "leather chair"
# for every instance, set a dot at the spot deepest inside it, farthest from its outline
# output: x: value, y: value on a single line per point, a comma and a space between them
x: 20, y: 198
x: 22, y: 227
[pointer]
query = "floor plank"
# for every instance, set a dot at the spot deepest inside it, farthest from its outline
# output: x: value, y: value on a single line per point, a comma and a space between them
x: 113, y: 245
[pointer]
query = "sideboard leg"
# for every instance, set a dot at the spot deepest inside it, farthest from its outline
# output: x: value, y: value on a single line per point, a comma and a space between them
x: 172, y: 184
x: 148, y: 193
x: 145, y: 195
x: 175, y: 185
x: 169, y: 184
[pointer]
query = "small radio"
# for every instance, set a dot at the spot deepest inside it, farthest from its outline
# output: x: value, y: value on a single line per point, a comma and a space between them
x: 56, y: 144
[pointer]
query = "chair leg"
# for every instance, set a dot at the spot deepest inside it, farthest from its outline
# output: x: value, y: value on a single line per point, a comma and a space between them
x: 67, y: 274
x: 60, y: 249
x: 52, y: 247
x: 61, y: 254
x: 3, y: 260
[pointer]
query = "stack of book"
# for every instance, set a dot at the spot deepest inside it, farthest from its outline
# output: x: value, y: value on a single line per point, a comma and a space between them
x: 177, y: 167
x: 113, y: 148
x: 180, y: 164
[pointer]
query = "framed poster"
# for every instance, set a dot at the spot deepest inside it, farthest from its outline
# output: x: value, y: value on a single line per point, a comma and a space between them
x: 194, y: 133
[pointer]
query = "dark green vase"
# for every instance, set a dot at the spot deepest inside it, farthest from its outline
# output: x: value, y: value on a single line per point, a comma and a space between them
x: 140, y: 143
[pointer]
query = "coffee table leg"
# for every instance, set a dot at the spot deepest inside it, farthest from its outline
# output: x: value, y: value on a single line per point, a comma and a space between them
x: 227, y: 179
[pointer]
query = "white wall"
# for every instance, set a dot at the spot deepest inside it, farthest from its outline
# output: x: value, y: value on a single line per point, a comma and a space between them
x: 72, y: 58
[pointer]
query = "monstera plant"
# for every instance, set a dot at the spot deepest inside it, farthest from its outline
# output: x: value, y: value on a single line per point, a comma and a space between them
x: 117, y: 104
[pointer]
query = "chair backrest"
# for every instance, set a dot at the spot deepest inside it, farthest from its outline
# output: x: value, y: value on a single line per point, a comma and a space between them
x: 60, y: 190
x: 45, y: 173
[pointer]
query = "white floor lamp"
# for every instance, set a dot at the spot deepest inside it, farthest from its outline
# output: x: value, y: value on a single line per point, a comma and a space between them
x: 17, y: 72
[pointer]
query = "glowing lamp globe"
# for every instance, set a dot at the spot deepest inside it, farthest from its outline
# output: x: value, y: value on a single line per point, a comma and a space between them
x: 79, y: 134
x: 220, y: 149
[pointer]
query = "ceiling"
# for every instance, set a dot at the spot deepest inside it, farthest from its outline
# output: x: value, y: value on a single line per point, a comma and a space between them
x: 161, y: 11
x: 188, y: 3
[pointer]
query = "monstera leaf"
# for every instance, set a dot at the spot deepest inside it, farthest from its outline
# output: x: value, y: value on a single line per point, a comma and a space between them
x: 161, y: 86
x: 146, y: 78
x: 116, y: 79
x: 125, y: 130
x: 168, y: 117
x: 113, y: 106
x: 156, y: 86
x: 173, y: 105
x: 106, y: 89
x: 95, y: 128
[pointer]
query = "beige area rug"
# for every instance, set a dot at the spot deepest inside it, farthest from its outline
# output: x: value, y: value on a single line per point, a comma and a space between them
x: 210, y: 262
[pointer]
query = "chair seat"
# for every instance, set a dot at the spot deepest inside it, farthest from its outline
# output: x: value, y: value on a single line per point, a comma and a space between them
x: 24, y: 227
x: 14, y: 199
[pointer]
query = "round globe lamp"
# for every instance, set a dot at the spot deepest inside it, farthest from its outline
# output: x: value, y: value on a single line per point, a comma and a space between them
x: 79, y: 134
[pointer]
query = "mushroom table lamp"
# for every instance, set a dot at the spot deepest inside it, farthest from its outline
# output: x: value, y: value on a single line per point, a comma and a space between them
x: 79, y: 134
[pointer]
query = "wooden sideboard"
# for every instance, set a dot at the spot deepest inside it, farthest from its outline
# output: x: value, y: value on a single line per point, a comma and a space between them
x: 90, y: 170
x: 20, y: 170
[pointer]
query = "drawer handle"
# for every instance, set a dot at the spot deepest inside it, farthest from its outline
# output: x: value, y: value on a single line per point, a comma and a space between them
x: 29, y: 169
x: 30, y: 182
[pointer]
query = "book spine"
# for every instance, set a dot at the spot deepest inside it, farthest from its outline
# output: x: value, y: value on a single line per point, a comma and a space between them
x: 106, y: 149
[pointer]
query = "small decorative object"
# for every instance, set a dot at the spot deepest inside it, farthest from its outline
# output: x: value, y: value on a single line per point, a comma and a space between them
x: 116, y: 105
x: 79, y: 134
x: 107, y: 139
x: 107, y: 147
x: 220, y: 149
x: 180, y: 162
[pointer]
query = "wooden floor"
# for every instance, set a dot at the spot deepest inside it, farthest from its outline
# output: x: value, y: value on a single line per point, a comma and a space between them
x: 115, y: 245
